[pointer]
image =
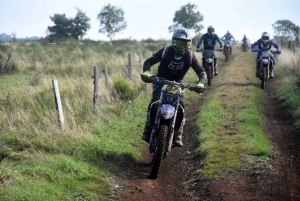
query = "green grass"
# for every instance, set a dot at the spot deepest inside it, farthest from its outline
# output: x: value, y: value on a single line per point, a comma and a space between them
x: 39, y: 161
x: 251, y: 120
x: 64, y: 167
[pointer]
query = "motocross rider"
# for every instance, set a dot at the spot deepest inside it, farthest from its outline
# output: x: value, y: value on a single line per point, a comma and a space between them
x: 228, y: 36
x: 245, y: 40
x: 265, y: 43
x: 209, y: 41
x: 174, y: 62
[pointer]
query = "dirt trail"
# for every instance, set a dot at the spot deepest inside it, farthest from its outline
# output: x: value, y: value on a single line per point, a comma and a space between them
x: 279, y: 181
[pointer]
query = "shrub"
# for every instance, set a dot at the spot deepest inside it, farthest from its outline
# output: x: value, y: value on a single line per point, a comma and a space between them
x: 122, y: 88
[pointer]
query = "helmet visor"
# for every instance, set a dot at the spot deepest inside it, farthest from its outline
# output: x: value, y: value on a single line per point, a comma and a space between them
x: 182, y: 44
x: 265, y: 37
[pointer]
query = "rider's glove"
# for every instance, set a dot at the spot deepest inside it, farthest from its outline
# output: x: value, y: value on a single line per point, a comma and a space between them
x: 146, y: 74
x: 146, y: 77
x: 200, y: 85
x: 278, y: 52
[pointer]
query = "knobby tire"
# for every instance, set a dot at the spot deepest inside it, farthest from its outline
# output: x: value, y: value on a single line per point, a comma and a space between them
x: 159, y: 151
x: 209, y: 74
x: 264, y: 77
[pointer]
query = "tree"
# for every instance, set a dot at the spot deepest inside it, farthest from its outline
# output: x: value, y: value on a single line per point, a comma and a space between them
x: 111, y: 20
x: 80, y: 25
x: 286, y: 30
x: 14, y: 36
x: 187, y: 17
x: 62, y: 27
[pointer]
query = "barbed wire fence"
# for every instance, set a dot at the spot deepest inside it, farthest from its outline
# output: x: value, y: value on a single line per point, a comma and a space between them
x: 96, y: 76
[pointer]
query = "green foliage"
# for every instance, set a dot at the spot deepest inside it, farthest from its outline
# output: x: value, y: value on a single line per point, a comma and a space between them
x: 148, y: 40
x: 122, y: 87
x: 187, y: 17
x: 62, y: 28
x: 111, y: 20
x: 80, y: 24
x: 286, y: 30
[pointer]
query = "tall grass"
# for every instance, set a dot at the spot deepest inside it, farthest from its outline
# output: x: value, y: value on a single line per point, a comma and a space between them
x: 289, y: 83
x: 39, y: 161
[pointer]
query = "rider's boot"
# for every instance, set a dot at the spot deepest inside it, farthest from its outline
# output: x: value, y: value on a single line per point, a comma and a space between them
x: 271, y: 74
x: 216, y: 66
x: 147, y: 130
x: 178, y: 135
x: 230, y: 49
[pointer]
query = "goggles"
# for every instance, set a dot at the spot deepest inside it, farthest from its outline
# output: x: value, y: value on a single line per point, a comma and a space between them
x: 265, y: 37
x: 182, y: 44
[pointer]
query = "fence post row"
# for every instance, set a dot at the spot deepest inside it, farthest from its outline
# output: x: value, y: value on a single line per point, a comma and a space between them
x: 58, y: 104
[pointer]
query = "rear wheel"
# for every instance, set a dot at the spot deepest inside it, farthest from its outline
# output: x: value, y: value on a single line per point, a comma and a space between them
x: 159, y: 151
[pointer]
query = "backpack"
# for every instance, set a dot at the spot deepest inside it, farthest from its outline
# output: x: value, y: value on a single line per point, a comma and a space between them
x: 190, y: 57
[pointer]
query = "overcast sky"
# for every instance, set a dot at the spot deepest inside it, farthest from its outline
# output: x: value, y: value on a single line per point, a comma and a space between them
x: 150, y: 18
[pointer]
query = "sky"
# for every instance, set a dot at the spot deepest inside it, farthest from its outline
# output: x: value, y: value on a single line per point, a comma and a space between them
x: 150, y: 18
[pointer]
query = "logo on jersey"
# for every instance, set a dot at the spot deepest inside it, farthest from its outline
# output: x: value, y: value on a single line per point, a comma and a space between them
x: 176, y: 66
x: 210, y: 42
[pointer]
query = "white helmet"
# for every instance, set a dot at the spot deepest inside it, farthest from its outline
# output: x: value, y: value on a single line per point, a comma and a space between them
x: 265, y: 37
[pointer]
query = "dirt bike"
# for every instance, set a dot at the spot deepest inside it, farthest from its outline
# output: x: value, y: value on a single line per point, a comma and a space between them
x: 208, y: 64
x: 164, y: 118
x: 227, y: 46
x: 245, y: 45
x: 264, y: 64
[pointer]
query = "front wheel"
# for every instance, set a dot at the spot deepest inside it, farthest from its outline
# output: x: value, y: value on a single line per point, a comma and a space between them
x: 159, y: 151
x: 209, y: 74
x: 264, y: 77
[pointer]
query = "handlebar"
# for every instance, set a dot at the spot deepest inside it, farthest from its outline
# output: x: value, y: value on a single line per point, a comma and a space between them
x: 155, y: 79
x: 203, y: 50
x: 261, y: 50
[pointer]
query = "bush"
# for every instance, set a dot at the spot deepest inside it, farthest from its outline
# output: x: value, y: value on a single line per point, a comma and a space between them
x: 122, y: 88
x: 148, y: 40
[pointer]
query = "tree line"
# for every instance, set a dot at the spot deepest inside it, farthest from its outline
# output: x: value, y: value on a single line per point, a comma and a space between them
x: 286, y: 31
x: 112, y: 21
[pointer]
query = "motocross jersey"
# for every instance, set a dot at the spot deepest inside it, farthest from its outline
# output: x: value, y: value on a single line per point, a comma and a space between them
x: 245, y: 40
x: 209, y: 41
x: 173, y: 69
x: 260, y: 45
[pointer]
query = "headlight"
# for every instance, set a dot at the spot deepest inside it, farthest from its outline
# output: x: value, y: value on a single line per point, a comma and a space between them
x: 167, y: 111
x: 265, y: 61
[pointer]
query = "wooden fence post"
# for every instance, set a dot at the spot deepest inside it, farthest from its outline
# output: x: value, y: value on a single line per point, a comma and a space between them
x: 129, y: 70
x: 96, y: 87
x: 106, y: 77
x: 58, y: 104
x: 141, y: 62
x: 294, y: 47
